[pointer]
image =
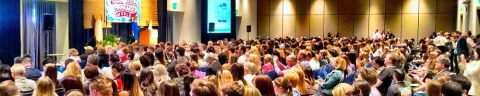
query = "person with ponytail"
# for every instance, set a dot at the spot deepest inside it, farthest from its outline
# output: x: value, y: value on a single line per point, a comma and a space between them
x: 282, y: 87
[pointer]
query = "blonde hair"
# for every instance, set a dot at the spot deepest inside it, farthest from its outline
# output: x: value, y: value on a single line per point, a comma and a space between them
x: 251, y: 91
x: 73, y: 50
x: 160, y: 73
x: 292, y: 77
x: 18, y: 69
x: 45, y: 87
x: 214, y: 80
x: 73, y: 69
x: 225, y: 76
x: 301, y: 81
x: 252, y: 68
x: 135, y: 66
x: 75, y: 93
x: 254, y: 58
x: 285, y: 84
x: 340, y: 63
x: 342, y: 89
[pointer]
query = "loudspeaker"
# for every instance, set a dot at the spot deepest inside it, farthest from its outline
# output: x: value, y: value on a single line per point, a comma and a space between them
x: 48, y: 22
x: 249, y: 28
x: 211, y: 27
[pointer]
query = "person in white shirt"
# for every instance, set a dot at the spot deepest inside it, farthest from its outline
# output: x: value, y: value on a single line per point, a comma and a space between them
x: 74, y: 55
x: 377, y: 35
x: 251, y: 71
x: 440, y: 40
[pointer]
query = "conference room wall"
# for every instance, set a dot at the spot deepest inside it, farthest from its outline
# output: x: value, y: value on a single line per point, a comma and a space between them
x: 405, y: 18
x: 189, y: 28
x: 247, y: 10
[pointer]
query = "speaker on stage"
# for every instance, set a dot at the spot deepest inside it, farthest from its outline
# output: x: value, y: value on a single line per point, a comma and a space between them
x: 249, y: 28
x: 48, y: 22
x: 211, y: 27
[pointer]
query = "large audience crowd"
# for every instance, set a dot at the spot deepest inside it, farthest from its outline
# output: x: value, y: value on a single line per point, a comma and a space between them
x: 447, y: 63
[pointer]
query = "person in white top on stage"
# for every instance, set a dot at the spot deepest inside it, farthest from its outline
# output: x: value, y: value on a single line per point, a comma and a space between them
x: 378, y: 35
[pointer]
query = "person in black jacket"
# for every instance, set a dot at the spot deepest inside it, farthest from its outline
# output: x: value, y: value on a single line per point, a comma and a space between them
x: 461, y: 51
x: 103, y: 57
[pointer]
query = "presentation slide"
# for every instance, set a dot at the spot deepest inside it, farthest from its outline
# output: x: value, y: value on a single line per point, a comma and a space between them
x: 122, y: 10
x: 219, y: 16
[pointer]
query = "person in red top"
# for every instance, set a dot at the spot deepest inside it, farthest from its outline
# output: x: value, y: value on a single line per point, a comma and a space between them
x: 117, y: 69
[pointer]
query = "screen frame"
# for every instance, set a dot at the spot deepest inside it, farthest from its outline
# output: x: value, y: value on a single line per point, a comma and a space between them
x: 205, y: 36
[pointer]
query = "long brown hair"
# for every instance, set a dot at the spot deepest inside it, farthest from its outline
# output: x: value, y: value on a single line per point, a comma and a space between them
x: 131, y: 84
x: 169, y: 88
x: 147, y: 82
x: 264, y: 85
x: 285, y: 84
x: 51, y: 72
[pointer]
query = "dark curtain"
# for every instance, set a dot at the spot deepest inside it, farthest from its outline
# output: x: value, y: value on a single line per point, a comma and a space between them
x: 162, y: 20
x: 9, y: 30
x: 78, y: 36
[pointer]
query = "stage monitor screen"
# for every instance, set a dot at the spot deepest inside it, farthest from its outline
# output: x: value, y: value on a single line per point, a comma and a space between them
x: 122, y: 10
x: 219, y: 16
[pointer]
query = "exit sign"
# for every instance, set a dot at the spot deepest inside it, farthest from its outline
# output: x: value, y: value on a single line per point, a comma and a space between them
x: 174, y: 6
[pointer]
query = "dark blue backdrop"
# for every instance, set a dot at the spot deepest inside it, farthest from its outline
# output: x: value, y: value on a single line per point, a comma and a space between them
x: 9, y: 30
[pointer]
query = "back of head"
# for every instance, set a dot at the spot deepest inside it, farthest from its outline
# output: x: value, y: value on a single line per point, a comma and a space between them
x: 8, y: 88
x: 451, y: 88
x: 73, y: 69
x: 93, y: 59
x: 51, y: 72
x: 434, y: 88
x: 74, y: 93
x: 45, y: 87
x: 342, y: 89
x: 182, y: 69
x: 462, y: 80
x: 18, y: 69
x: 225, y: 76
x: 399, y: 74
x: 5, y: 73
x: 284, y: 83
x: 118, y: 67
x: 292, y: 77
x: 169, y: 88
x: 251, y: 91
x: 135, y: 66
x: 72, y: 83
x: 233, y: 89
x: 114, y: 58
x: 202, y: 87
x: 91, y: 72
x: 252, y: 68
x: 362, y: 86
x: 145, y: 61
x: 102, y: 85
x: 369, y: 74
x: 237, y: 71
x: 160, y: 73
x: 264, y: 85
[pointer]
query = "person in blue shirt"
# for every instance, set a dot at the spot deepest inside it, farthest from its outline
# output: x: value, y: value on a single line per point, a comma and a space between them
x: 136, y: 34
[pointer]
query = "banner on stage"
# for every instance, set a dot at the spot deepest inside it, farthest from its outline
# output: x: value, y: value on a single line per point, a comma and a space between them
x: 122, y: 10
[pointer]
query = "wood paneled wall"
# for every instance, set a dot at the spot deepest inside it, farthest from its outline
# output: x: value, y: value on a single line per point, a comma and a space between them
x: 405, y: 18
